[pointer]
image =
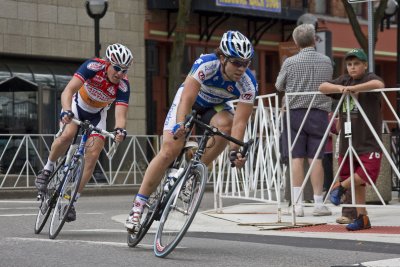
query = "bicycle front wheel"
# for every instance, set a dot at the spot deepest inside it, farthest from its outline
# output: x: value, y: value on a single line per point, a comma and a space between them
x: 180, y: 210
x: 66, y: 197
x: 48, y: 199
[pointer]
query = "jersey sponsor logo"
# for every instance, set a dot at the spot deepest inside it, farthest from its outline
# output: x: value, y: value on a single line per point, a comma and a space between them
x: 98, y: 79
x: 123, y: 87
x: 198, y: 61
x: 95, y: 66
x: 201, y: 75
x: 210, y: 99
x: 111, y: 90
x: 217, y: 92
x: 98, y: 95
x: 247, y: 96
x: 211, y: 67
x: 230, y: 88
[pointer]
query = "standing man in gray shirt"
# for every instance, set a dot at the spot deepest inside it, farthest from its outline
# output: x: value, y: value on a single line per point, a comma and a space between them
x: 304, y: 72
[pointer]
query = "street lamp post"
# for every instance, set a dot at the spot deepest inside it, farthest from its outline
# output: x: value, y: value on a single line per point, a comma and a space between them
x: 96, y: 9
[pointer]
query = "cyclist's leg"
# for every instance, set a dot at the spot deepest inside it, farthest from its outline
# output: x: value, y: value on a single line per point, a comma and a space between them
x: 223, y: 121
x: 58, y: 148
x: 94, y: 145
x: 170, y: 149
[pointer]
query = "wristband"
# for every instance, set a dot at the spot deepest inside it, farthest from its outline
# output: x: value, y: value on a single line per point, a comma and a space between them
x: 67, y: 113
x: 177, y: 126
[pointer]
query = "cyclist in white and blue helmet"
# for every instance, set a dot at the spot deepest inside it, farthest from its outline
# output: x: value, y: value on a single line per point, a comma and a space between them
x: 214, y: 80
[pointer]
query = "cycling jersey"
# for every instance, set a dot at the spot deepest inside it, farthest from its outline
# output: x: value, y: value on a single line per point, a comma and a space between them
x: 214, y: 89
x: 214, y: 92
x: 97, y: 92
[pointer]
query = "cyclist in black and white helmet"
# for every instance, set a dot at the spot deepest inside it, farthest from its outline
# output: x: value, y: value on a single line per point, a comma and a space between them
x: 213, y: 80
x: 119, y: 55
x: 94, y: 87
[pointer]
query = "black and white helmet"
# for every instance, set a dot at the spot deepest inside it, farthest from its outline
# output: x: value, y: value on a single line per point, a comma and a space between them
x: 236, y: 45
x: 119, y: 54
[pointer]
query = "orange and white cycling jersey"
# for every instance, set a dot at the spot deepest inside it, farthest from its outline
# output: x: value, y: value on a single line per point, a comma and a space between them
x: 97, y: 92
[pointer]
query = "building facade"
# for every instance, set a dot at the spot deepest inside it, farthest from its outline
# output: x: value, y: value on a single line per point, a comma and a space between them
x: 42, y: 42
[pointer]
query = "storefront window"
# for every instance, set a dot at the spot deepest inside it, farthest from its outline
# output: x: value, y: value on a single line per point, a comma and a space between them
x: 30, y: 93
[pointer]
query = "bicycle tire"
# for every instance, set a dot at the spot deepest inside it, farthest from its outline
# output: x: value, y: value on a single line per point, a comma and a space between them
x: 180, y: 210
x: 147, y: 220
x: 48, y: 199
x: 65, y: 199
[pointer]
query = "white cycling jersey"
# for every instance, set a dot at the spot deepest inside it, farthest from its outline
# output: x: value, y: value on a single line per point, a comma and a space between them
x: 214, y: 90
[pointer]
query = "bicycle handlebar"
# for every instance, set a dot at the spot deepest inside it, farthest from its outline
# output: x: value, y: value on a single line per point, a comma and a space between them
x: 88, y: 125
x: 191, y: 119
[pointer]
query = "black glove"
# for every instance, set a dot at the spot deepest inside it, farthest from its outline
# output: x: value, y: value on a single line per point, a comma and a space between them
x: 121, y: 131
x: 233, y: 156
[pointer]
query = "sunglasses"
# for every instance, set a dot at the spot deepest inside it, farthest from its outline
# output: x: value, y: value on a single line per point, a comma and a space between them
x: 239, y: 63
x: 118, y: 69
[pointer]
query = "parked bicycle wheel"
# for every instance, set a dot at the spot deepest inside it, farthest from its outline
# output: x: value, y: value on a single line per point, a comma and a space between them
x: 180, y: 210
x: 147, y: 219
x: 67, y: 196
x: 48, y: 198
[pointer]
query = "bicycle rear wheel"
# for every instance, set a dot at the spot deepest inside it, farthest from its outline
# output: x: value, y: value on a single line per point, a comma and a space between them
x: 66, y: 197
x: 48, y: 199
x: 180, y: 210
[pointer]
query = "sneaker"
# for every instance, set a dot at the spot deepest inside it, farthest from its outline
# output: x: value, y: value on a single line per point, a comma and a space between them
x: 321, y: 211
x: 343, y: 220
x: 362, y: 222
x: 71, y: 216
x: 133, y: 221
x: 42, y: 180
x: 336, y: 194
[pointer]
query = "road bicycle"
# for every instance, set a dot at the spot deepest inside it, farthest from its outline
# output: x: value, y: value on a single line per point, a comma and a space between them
x: 64, y: 181
x: 176, y: 208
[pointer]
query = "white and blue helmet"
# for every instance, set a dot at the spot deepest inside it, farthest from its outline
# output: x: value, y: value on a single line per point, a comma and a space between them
x: 236, y: 45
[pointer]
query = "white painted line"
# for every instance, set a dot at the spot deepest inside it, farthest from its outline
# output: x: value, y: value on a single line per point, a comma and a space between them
x: 383, y: 263
x: 98, y: 230
x: 17, y: 215
x: 20, y: 208
x: 27, y: 214
x: 114, y: 244
x: 19, y: 201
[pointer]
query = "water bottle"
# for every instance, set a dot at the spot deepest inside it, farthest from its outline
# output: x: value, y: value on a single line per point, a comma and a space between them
x: 172, y: 177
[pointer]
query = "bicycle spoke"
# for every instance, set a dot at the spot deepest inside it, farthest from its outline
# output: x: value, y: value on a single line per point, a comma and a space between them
x: 66, y: 197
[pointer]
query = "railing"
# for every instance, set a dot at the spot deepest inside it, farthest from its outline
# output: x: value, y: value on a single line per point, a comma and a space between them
x: 262, y: 178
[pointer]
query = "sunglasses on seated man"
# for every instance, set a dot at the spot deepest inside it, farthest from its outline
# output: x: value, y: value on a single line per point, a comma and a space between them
x: 239, y: 63
x: 119, y: 68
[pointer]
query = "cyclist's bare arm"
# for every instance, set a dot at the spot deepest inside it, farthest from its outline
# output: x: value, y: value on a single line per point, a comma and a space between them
x: 66, y: 96
x: 189, y: 94
x: 121, y: 113
x: 242, y: 114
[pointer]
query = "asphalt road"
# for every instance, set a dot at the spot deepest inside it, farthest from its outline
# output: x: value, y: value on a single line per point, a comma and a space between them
x: 98, y: 239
